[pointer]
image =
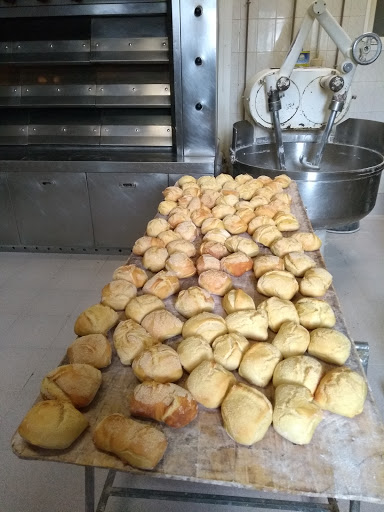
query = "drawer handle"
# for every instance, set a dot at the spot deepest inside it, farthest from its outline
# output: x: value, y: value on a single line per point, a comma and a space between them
x: 127, y: 185
x: 47, y: 183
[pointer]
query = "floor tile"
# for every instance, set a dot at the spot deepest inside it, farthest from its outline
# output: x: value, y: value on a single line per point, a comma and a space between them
x: 16, y: 301
x: 17, y: 365
x: 34, y: 331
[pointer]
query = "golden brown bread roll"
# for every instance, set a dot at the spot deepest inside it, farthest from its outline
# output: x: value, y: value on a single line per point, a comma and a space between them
x: 265, y: 210
x: 246, y: 413
x: 266, y: 235
x: 259, y: 363
x: 211, y: 223
x: 315, y: 313
x: 160, y: 363
x: 162, y: 324
x: 97, y: 319
x: 283, y: 196
x: 235, y: 224
x: 236, y: 264
x: 228, y: 197
x: 258, y: 221
x: 217, y: 235
x: 245, y: 214
x: 279, y: 311
x: 292, y: 339
x: 166, y: 206
x: 309, y: 241
x: 258, y: 201
x: 156, y: 226
x: 172, y: 193
x: 138, y: 444
x: 191, y: 189
x: 295, y: 415
x: 284, y: 246
x: 215, y: 281
x: 207, y: 262
x: 243, y: 178
x: 223, y: 178
x: 184, y: 180
x: 209, y: 197
x: 144, y: 243
x: 118, y: 293
x: 342, y: 391
x: 132, y: 274
x: 228, y: 350
x: 315, y: 282
x: 140, y: 306
x: 168, y: 237
x: 304, y: 370
x: 130, y: 339
x: 181, y: 246
x: 194, y: 204
x: 175, y: 219
x: 209, y: 383
x: 279, y: 206
x: 329, y: 345
x: 242, y: 244
x: 215, y: 249
x: 93, y: 349
x: 222, y: 210
x: 286, y: 221
x: 267, y: 194
x: 163, y: 284
x: 154, y: 258
x: 278, y: 283
x: 193, y: 301
x: 283, y: 180
x: 75, y: 383
x: 266, y: 263
x: 180, y: 211
x: 192, y: 351
x: 207, y: 325
x: 237, y: 300
x: 298, y: 263
x: 207, y: 181
x: 199, y: 216
x: 187, y: 230
x: 247, y: 190
x: 52, y: 424
x: 180, y: 265
x: 250, y: 323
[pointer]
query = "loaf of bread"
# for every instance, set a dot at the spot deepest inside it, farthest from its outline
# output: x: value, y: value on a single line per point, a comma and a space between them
x: 217, y: 235
x: 259, y: 363
x: 284, y: 246
x: 292, y: 339
x: 156, y: 226
x: 246, y: 413
x: 97, y: 319
x: 144, y: 243
x: 207, y: 325
x: 154, y: 258
x: 209, y: 383
x: 278, y: 283
x: 168, y: 403
x: 236, y: 264
x: 93, y: 349
x: 162, y: 324
x: 75, y: 383
x: 278, y: 311
x: 131, y: 273
x: 314, y: 313
x: 160, y: 363
x: 304, y: 370
x: 215, y: 282
x: 130, y: 339
x: 181, y: 265
x: 315, y: 282
x: 172, y: 193
x: 250, y: 323
x: 192, y: 351
x: 142, y: 305
x: 169, y: 236
x: 309, y: 241
x: 52, y: 424
x: 265, y: 263
x: 329, y: 345
x: 298, y: 263
x: 193, y: 301
x: 342, y: 391
x: 237, y: 300
x: 181, y: 246
x: 295, y: 415
x: 242, y: 244
x: 215, y: 249
x: 187, y: 230
x: 229, y: 349
x: 166, y: 206
x: 118, y: 293
x: 207, y: 262
x: 163, y: 284
x: 266, y: 235
x: 139, y: 444
x: 211, y: 223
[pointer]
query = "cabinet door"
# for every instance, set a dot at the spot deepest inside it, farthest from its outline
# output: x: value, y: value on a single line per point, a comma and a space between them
x: 52, y: 208
x: 122, y: 204
x: 8, y: 228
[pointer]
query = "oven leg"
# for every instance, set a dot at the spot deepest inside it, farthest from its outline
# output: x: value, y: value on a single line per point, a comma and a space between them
x: 89, y: 489
x: 354, y: 506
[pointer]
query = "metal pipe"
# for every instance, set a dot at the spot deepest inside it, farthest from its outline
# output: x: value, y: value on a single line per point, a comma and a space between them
x: 279, y: 140
x: 324, y: 140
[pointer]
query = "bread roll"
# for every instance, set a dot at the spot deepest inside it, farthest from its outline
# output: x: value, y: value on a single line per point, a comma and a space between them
x: 181, y: 246
x: 239, y: 243
x: 138, y: 444
x: 250, y: 323
x: 246, y: 413
x: 207, y: 181
x: 168, y: 237
x: 236, y: 264
x: 235, y: 224
x: 154, y: 258
x: 266, y: 263
x: 162, y: 324
x: 259, y: 363
x: 97, y: 319
x: 265, y: 210
x: 267, y: 194
x: 237, y: 300
x: 243, y: 178
x: 193, y: 301
x: 156, y: 226
x: 258, y: 201
x: 309, y: 241
x: 284, y: 246
x: 228, y: 350
x: 163, y: 284
x: 314, y: 313
x: 342, y: 391
x: 292, y: 339
x: 118, y: 293
x: 207, y: 325
x: 278, y: 283
x: 132, y: 274
x: 215, y: 249
x: 215, y: 281
x: 283, y: 180
x: 279, y: 207
x: 295, y: 415
x: 191, y: 189
x: 180, y: 211
x: 303, y: 370
x: 207, y: 262
x: 166, y: 206
x: 228, y: 197
x: 209, y: 383
x: 223, y: 178
x: 93, y: 349
x: 217, y: 235
x: 184, y: 180
x: 329, y: 345
x: 283, y: 196
x: 75, y: 383
x: 199, y: 216
x: 172, y: 193
x: 192, y: 351
x: 222, y: 210
x: 130, y: 339
x: 278, y: 311
x: 298, y: 263
x: 315, y: 282
x: 144, y: 243
x: 160, y: 363
x: 258, y: 221
x: 266, y: 235
x: 246, y: 215
x: 194, y: 204
x: 140, y: 306
x: 211, y: 223
x: 229, y: 185
x: 175, y: 219
x: 209, y: 198
x: 180, y: 265
x: 286, y: 221
x: 52, y: 424
x: 187, y: 230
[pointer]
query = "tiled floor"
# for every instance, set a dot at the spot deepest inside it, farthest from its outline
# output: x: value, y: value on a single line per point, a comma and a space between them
x: 40, y: 298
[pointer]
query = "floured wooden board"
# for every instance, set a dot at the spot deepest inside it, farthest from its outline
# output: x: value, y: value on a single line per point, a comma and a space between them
x: 345, y: 459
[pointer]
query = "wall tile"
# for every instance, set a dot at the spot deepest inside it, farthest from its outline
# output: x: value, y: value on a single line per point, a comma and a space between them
x: 251, y: 64
x: 358, y: 7
x: 236, y: 10
x: 254, y: 9
x: 283, y: 34
x: 302, y: 7
x: 284, y: 8
x: 225, y: 9
x: 330, y: 59
x: 265, y: 35
x: 235, y: 44
x: 252, y: 35
x: 267, y: 8
x: 243, y: 35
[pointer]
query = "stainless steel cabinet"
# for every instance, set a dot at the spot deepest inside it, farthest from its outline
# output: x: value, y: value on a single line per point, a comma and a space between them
x: 8, y: 228
x: 51, y: 208
x: 122, y: 204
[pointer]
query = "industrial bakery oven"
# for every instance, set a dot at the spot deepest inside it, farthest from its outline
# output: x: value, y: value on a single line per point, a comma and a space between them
x: 102, y: 106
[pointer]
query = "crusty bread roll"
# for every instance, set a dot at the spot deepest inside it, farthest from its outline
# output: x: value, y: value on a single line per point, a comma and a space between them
x: 140, y: 306
x: 309, y: 241
x: 259, y: 363
x: 265, y: 210
x: 284, y: 246
x: 266, y: 235
x: 278, y: 283
x: 298, y: 263
x: 246, y: 413
x: 258, y: 201
x: 156, y: 226
x: 243, y: 178
x: 52, y: 424
x: 236, y: 264
x: 118, y: 293
x: 194, y: 204
x: 184, y: 180
x: 180, y: 211
x: 283, y: 180
x: 315, y: 282
x: 292, y: 339
x: 242, y: 244
x: 76, y: 383
x: 237, y: 300
x: 283, y: 196
x: 166, y: 206
x: 181, y: 246
x: 130, y: 339
x: 215, y: 249
x: 207, y: 325
x: 258, y: 221
x: 314, y: 313
x: 199, y: 216
x: 266, y: 263
x: 162, y: 324
x: 295, y: 415
x: 267, y: 194
x: 97, y: 319
x: 154, y: 258
x: 211, y: 223
x: 304, y: 370
x: 250, y: 323
x: 187, y: 230
x: 176, y: 218
x: 209, y: 197
x: 139, y: 444
x: 169, y: 236
x: 209, y: 382
x: 160, y: 363
x: 329, y: 345
x: 191, y: 189
x: 93, y: 349
x: 180, y: 265
x: 163, y: 284
x: 286, y: 221
x: 228, y: 197
x: 205, y: 181
x: 207, y: 262
x: 192, y: 351
x: 215, y: 281
x: 228, y: 350
x: 235, y: 224
x: 279, y: 206
x: 193, y: 301
x: 172, y: 193
x: 222, y: 210
x: 132, y: 274
x: 342, y: 391
x: 217, y: 235
x: 223, y: 178
x: 279, y: 311
x: 144, y: 243
x: 168, y: 403
x: 245, y: 214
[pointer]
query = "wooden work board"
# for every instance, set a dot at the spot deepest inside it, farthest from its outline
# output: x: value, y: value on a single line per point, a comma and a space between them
x: 345, y: 459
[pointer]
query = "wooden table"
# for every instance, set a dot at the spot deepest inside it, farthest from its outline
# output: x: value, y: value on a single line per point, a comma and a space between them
x: 343, y: 461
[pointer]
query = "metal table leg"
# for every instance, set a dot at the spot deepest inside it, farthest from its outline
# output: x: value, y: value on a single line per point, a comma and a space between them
x: 89, y: 489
